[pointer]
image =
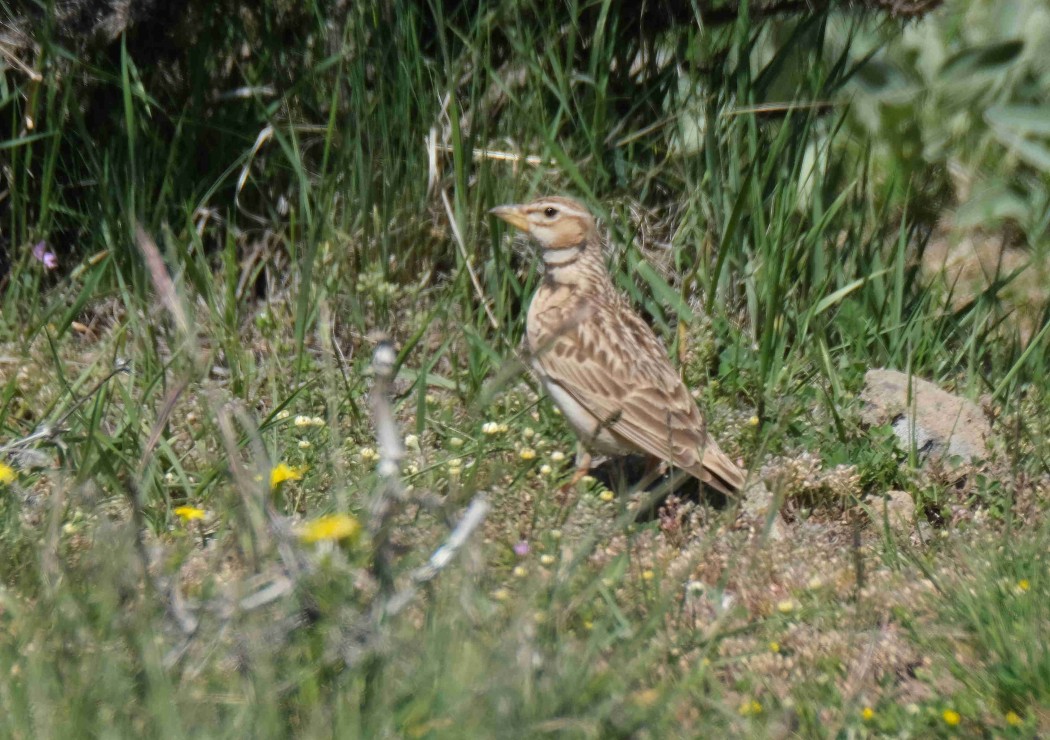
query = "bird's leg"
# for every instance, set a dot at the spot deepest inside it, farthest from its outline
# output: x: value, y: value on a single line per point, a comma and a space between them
x: 621, y: 477
x: 583, y: 467
x: 583, y: 464
x: 654, y: 470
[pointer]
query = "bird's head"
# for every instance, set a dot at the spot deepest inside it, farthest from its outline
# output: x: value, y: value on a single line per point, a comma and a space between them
x: 559, y: 225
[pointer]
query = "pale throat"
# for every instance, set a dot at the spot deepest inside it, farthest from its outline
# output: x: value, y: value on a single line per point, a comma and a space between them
x: 563, y: 255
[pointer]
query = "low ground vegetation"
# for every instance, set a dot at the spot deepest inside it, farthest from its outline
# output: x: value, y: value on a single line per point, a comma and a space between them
x: 203, y: 256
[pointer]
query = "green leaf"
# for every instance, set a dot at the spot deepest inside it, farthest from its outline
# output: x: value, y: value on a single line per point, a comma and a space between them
x: 987, y: 59
x: 993, y: 204
x: 1032, y: 152
x: 1025, y: 119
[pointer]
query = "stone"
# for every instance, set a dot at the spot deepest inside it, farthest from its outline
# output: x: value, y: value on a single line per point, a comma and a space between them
x: 940, y: 425
x: 899, y: 509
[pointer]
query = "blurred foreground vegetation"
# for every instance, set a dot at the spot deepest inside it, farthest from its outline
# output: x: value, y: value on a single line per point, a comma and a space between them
x: 208, y: 217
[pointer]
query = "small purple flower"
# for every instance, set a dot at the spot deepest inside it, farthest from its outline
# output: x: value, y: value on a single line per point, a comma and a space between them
x: 42, y: 254
x: 521, y: 549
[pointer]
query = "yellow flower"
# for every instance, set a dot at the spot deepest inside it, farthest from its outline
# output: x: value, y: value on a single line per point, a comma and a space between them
x: 774, y: 646
x: 330, y: 528
x: 786, y: 606
x: 606, y: 495
x: 188, y: 513
x: 1013, y: 719
x: 951, y: 717
x: 753, y: 421
x: 646, y: 697
x: 1023, y: 584
x: 750, y: 707
x: 283, y: 472
x: 527, y: 453
x: 7, y: 474
x: 648, y: 575
x: 868, y: 714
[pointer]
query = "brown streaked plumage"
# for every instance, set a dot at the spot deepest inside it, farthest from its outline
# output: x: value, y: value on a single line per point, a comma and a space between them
x: 599, y: 361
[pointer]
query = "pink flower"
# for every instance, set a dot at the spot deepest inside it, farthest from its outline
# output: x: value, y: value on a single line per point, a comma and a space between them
x: 521, y: 549
x: 42, y: 254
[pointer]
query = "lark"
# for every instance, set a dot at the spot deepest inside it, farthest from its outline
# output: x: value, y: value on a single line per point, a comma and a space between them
x: 601, y: 364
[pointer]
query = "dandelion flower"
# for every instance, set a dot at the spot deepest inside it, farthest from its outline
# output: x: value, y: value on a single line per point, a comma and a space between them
x: 753, y: 421
x: 648, y: 575
x: 951, y: 717
x: 1014, y: 719
x: 330, y: 528
x: 527, y: 453
x: 646, y: 697
x: 606, y: 495
x: 774, y: 646
x: 750, y: 707
x: 1023, y: 585
x: 283, y: 472
x: 867, y: 714
x: 7, y: 474
x: 188, y: 513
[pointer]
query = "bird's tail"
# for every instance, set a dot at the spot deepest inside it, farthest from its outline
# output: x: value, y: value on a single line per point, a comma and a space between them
x: 719, y: 472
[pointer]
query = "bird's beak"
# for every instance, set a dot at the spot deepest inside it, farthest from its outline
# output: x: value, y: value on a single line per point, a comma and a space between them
x: 513, y: 215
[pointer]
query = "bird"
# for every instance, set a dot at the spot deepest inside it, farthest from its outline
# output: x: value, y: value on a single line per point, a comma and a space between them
x: 600, y: 362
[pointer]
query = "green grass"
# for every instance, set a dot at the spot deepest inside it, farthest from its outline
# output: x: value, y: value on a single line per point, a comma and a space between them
x: 233, y: 229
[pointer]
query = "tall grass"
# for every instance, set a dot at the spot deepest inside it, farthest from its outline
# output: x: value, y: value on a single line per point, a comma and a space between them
x: 314, y: 174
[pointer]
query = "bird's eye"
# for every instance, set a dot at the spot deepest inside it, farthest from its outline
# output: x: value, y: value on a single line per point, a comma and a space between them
x: 550, y: 212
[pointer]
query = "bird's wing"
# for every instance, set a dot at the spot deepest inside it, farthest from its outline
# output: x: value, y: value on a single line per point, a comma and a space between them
x: 612, y: 364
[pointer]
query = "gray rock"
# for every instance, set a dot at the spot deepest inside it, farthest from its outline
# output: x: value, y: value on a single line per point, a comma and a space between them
x: 940, y: 425
x: 899, y: 508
